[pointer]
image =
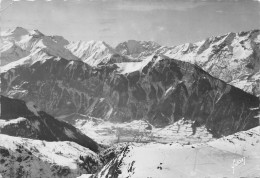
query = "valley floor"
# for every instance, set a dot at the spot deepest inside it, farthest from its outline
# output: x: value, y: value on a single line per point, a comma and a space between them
x: 140, y: 131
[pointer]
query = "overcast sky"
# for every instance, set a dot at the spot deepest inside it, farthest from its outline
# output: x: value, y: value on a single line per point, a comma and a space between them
x: 168, y: 22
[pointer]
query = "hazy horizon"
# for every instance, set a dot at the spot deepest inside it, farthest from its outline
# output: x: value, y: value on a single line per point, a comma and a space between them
x: 113, y: 21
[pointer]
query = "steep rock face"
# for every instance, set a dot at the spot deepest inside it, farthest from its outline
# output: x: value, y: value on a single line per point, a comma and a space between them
x: 161, y: 91
x: 23, y: 119
x: 233, y: 57
x: 22, y: 157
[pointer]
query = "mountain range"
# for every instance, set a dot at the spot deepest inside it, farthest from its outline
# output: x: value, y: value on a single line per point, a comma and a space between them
x: 57, y: 94
x: 233, y: 57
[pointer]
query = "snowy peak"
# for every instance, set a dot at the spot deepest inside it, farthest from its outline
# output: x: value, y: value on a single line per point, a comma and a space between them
x: 19, y: 32
x: 214, y: 45
x: 96, y: 53
x: 60, y: 40
x: 92, y: 52
x: 137, y: 49
x: 37, y: 46
x: 33, y: 45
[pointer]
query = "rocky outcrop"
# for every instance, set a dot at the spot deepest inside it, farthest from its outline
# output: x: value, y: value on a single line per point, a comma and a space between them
x: 162, y: 91
x: 19, y: 118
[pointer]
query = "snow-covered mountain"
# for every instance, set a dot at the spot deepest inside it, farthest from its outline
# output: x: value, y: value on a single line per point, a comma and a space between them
x: 233, y: 156
x: 233, y: 57
x: 55, y: 75
x: 25, y: 120
x: 160, y: 90
x: 33, y: 45
x: 22, y: 157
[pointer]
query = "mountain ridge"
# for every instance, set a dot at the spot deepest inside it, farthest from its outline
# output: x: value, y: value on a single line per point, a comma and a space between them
x: 232, y: 57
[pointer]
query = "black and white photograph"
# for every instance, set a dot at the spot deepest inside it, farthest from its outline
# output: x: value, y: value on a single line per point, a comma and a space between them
x: 130, y: 89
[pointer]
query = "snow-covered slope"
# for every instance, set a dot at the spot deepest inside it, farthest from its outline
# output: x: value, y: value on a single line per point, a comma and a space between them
x: 24, y: 119
x: 22, y: 157
x: 10, y: 52
x: 233, y: 57
x: 246, y: 143
x: 214, y: 159
x: 130, y: 67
